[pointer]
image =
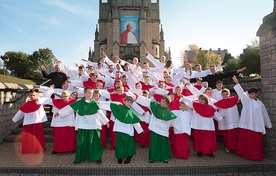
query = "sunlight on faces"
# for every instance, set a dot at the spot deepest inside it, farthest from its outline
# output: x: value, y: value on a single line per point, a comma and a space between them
x: 183, y: 106
x: 165, y: 74
x: 25, y: 158
x: 168, y: 79
x: 163, y: 103
x: 178, y: 90
x: 147, y: 80
x: 138, y: 86
x: 32, y: 96
x: 120, y: 90
x: 88, y: 93
x: 74, y: 96
x: 209, y: 92
x: 65, y: 95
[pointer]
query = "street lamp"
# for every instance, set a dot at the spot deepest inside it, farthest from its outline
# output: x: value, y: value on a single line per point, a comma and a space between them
x: 6, y: 59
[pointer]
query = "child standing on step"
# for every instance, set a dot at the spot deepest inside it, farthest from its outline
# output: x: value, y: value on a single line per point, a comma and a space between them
x: 33, y: 140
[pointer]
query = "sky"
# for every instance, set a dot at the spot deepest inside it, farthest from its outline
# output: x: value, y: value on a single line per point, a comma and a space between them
x: 67, y: 27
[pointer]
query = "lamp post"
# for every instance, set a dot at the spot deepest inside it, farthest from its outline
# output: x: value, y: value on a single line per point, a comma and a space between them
x: 6, y: 59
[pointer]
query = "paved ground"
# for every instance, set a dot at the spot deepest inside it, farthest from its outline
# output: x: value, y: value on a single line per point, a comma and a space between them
x: 13, y: 163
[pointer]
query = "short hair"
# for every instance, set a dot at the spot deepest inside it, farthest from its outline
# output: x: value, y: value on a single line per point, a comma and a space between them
x: 87, y: 88
x: 225, y: 90
x: 183, y: 103
x: 124, y: 76
x: 65, y: 93
x: 96, y: 92
x: 199, y: 79
x: 145, y: 92
x: 167, y: 99
x: 219, y: 81
x: 93, y: 74
x: 128, y: 98
x: 81, y: 67
x: 75, y: 94
x: 208, y: 88
x: 253, y: 90
x: 118, y: 87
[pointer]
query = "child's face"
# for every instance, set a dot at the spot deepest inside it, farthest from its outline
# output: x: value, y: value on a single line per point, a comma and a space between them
x: 64, y: 97
x: 163, y: 103
x: 178, y: 90
x: 253, y: 95
x: 120, y: 91
x: 225, y: 95
x: 198, y: 82
x: 146, y: 95
x: 73, y: 97
x: 168, y: 79
x: 202, y: 101
x: 219, y: 86
x: 138, y: 86
x: 128, y: 103
x: 209, y: 93
x: 88, y: 94
x: 31, y: 96
x: 182, y: 107
x: 96, y: 97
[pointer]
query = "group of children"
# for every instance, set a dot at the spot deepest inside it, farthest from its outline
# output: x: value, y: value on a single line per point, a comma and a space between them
x: 164, y: 115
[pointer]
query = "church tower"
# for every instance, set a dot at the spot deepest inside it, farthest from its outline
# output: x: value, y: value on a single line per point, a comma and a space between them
x: 127, y: 28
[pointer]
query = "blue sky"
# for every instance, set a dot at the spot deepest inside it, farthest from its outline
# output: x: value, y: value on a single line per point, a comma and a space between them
x: 67, y: 26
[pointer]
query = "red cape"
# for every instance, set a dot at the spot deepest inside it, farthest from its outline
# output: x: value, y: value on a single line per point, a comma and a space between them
x: 59, y: 103
x: 227, y: 103
x: 204, y: 110
x: 30, y: 106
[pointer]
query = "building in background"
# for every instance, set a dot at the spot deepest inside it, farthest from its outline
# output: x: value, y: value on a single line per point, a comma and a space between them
x: 127, y: 28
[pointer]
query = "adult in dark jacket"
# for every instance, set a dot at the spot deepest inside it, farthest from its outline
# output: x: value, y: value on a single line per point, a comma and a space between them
x: 215, y: 76
x: 57, y: 77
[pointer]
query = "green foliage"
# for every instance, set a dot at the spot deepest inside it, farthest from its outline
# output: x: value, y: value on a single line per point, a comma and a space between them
x: 42, y: 57
x: 206, y: 58
x: 23, y: 65
x: 250, y: 58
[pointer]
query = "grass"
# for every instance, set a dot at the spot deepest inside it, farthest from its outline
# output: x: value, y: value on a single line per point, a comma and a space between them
x: 10, y: 79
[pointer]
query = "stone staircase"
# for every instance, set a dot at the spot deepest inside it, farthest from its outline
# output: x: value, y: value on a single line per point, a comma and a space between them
x: 16, y: 136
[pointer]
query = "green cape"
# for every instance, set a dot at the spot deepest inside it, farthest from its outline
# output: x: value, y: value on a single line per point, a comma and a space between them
x: 124, y: 114
x: 84, y: 108
x: 162, y: 113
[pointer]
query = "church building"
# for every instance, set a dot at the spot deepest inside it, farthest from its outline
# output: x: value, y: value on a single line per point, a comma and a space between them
x: 127, y: 28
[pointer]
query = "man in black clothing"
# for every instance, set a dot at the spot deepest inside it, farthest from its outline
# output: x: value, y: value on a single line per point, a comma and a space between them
x: 214, y: 76
x: 57, y: 77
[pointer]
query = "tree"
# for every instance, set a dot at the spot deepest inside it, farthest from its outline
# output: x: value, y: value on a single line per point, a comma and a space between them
x: 193, y: 47
x: 42, y: 57
x: 250, y: 58
x: 19, y: 64
x: 206, y: 58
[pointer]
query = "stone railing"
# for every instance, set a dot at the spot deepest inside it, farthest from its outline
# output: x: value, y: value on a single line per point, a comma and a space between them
x: 10, y: 92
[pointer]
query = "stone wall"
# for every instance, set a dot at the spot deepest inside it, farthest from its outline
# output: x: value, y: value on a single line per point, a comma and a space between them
x: 267, y: 34
x: 10, y: 92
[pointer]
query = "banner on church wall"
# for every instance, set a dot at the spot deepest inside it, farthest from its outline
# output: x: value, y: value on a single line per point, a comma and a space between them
x: 129, y: 29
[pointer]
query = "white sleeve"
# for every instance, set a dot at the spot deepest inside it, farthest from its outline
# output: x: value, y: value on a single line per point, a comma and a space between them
x: 154, y: 61
x: 161, y: 91
x: 104, y: 105
x: 137, y: 108
x: 217, y: 117
x: 138, y: 128
x: 65, y: 111
x: 18, y: 116
x: 143, y: 101
x: 187, y: 100
x: 194, y: 90
x: 102, y: 117
x: 44, y: 100
x: 242, y: 95
x: 104, y: 94
x: 108, y: 61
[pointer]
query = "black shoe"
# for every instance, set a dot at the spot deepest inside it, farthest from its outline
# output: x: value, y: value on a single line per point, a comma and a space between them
x: 53, y: 152
x: 166, y: 161
x: 75, y: 163
x: 212, y: 155
x: 127, y: 160
x: 73, y: 151
x: 199, y: 154
x: 120, y: 161
x: 99, y: 161
x: 151, y: 161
